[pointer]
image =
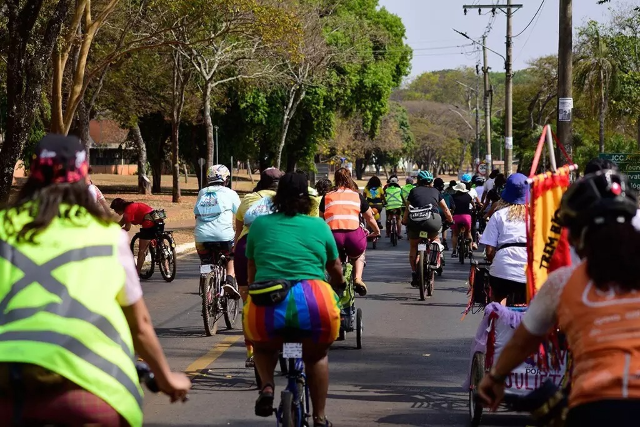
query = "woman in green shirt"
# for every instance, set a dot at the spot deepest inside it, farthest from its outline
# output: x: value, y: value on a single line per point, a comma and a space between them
x: 290, y: 245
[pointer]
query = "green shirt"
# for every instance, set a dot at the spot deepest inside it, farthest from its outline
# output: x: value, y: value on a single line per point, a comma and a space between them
x: 290, y: 248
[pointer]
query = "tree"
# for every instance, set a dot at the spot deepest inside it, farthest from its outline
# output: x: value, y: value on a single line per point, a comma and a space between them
x: 180, y: 81
x: 595, y: 70
x: 33, y: 27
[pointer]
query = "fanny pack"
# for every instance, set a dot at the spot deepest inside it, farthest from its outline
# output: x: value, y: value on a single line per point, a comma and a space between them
x: 420, y: 214
x: 157, y: 216
x: 271, y: 292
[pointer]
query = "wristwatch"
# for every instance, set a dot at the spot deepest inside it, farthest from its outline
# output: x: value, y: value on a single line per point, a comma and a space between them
x: 497, y: 378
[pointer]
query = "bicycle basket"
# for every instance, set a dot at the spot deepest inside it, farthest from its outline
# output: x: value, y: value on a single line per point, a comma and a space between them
x: 158, y: 215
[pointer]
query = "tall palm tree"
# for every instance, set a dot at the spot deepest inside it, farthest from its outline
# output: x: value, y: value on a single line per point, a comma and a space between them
x: 595, y: 70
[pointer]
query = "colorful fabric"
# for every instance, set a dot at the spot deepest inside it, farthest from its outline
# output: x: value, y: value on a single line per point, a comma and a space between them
x: 290, y: 248
x: 311, y: 310
x: 59, y: 159
x: 548, y: 247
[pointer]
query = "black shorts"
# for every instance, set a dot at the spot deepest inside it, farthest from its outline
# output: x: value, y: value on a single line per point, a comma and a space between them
x: 151, y: 232
x: 209, y: 251
x: 503, y: 288
x: 433, y: 226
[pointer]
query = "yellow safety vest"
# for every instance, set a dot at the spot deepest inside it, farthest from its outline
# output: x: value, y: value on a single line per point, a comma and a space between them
x: 59, y: 308
x: 394, y: 198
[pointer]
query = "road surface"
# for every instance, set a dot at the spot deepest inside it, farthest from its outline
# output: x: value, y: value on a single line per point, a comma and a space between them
x: 410, y: 371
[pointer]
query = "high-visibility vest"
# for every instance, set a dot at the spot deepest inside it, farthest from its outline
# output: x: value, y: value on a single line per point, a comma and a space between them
x: 59, y: 308
x: 393, y: 197
x: 342, y: 209
x: 602, y: 330
x: 406, y: 190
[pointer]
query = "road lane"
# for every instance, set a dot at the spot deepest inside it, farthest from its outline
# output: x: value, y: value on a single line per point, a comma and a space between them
x: 414, y: 359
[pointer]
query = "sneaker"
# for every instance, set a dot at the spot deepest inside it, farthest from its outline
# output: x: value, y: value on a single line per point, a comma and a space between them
x: 360, y: 287
x: 230, y: 290
x: 414, y: 279
x: 454, y: 254
x: 249, y: 363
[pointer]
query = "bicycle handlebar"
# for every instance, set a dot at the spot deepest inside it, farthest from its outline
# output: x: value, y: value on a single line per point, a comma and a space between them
x: 147, y: 377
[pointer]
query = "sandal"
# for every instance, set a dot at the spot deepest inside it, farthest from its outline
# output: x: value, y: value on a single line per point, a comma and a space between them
x: 360, y: 287
x: 264, y: 403
x: 317, y: 422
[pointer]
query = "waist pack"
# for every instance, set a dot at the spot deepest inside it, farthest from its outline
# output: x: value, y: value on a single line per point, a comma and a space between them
x: 271, y: 292
x: 157, y: 216
x: 420, y: 214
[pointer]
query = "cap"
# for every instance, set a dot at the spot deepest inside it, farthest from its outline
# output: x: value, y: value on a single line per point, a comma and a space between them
x: 59, y: 159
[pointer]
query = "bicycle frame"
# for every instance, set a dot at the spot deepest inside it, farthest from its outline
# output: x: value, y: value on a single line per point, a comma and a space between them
x: 295, y: 376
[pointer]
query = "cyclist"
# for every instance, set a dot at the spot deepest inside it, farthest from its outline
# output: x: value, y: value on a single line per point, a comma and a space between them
x: 138, y: 214
x: 477, y: 182
x: 323, y: 186
x: 310, y: 310
x: 489, y: 184
x: 214, y: 235
x: 97, y: 195
x: 505, y: 239
x: 253, y: 205
x: 406, y: 189
x: 467, y: 180
x: 71, y: 303
x: 428, y: 200
x: 343, y: 209
x: 493, y: 196
x: 438, y: 184
x: 375, y: 196
x: 461, y: 217
x: 394, y: 202
x: 595, y: 305
x: 315, y: 199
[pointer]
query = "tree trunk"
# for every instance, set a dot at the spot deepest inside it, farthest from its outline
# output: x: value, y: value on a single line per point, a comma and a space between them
x: 296, y: 95
x: 602, y: 112
x: 180, y: 79
x: 144, y: 186
x: 208, y: 124
x: 463, y: 156
x: 638, y: 124
x: 360, y: 167
x: 83, y: 115
x: 27, y: 62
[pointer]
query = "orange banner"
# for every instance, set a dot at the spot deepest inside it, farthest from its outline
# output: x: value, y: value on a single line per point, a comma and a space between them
x: 547, y: 242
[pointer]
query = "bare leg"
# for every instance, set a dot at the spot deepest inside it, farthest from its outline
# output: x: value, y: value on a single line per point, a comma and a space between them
x: 231, y: 271
x: 266, y: 357
x: 244, y: 293
x: 454, y: 240
x: 358, y: 267
x: 316, y: 361
x: 143, y: 245
x: 413, y: 253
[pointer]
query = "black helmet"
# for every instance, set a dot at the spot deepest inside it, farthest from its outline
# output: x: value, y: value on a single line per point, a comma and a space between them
x: 598, y: 198
x: 438, y: 183
x: 478, y: 180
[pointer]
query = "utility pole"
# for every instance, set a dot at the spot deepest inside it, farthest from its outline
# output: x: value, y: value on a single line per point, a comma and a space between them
x: 508, y: 109
x: 477, y: 157
x: 487, y: 103
x: 565, y: 71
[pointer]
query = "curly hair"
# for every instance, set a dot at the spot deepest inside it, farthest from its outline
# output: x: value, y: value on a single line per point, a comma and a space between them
x: 374, y: 182
x: 323, y: 186
x: 292, y: 197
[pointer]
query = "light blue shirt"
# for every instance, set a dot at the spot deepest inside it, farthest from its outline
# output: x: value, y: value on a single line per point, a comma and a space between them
x: 215, y: 212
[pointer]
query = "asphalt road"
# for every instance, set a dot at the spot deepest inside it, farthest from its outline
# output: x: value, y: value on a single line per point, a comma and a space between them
x: 410, y: 372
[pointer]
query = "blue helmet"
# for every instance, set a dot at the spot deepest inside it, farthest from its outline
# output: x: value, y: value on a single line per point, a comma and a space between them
x: 466, y: 178
x: 425, y: 176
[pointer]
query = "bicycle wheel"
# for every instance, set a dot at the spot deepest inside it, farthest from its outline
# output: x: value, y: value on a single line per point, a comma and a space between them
x: 287, y: 408
x: 168, y: 258
x: 359, y: 329
x: 394, y: 233
x: 431, y: 282
x: 477, y: 372
x: 462, y: 253
x: 149, y: 257
x: 209, y: 304
x: 421, y: 273
x: 231, y: 312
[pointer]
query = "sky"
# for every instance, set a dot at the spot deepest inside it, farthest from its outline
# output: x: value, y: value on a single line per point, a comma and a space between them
x: 436, y: 46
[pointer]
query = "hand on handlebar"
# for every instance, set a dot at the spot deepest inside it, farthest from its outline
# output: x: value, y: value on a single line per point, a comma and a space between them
x: 490, y: 392
x: 176, y: 385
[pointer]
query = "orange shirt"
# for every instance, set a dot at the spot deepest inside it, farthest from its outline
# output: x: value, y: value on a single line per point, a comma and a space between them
x: 342, y: 209
x: 603, y: 329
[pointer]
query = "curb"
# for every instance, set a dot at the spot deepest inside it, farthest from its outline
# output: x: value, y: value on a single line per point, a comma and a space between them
x: 186, y: 248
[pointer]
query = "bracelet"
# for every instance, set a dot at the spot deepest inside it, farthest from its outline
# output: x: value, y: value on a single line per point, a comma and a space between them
x: 497, y: 378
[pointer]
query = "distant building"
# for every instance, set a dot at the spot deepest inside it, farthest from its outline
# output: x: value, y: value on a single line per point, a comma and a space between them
x: 109, y: 151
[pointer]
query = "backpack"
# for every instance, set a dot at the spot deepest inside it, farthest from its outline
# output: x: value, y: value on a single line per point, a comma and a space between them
x: 262, y: 207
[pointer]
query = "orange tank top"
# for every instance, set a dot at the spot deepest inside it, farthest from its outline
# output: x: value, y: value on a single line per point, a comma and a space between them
x: 603, y: 329
x: 342, y: 210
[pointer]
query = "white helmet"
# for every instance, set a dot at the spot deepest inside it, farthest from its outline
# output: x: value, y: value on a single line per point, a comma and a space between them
x: 218, y: 173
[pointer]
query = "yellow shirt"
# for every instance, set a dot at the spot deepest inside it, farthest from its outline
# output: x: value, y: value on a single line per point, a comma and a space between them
x: 315, y: 206
x: 247, y: 202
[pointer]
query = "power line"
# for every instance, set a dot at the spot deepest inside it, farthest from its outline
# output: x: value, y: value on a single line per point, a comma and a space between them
x: 529, y: 37
x: 532, y: 19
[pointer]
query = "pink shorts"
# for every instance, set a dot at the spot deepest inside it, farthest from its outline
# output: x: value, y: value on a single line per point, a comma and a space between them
x: 461, y: 220
x: 353, y: 243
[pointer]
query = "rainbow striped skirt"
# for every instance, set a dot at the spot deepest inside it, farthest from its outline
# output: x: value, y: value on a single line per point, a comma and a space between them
x: 310, y: 311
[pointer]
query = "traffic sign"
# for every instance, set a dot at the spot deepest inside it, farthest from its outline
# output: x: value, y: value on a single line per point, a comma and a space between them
x: 628, y: 163
x: 482, y: 168
x: 201, y: 162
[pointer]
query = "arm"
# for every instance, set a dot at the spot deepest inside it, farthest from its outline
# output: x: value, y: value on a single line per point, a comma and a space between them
x: 106, y: 207
x: 334, y: 268
x: 446, y: 211
x: 146, y: 344
x: 251, y: 271
x: 491, y: 252
x: 371, y: 222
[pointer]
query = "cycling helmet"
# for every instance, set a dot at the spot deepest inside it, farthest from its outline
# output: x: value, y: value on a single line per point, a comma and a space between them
x: 425, y: 176
x: 478, y: 180
x: 218, y: 174
x: 598, y: 198
x: 393, y: 180
x: 409, y: 180
x: 466, y: 178
x: 438, y: 183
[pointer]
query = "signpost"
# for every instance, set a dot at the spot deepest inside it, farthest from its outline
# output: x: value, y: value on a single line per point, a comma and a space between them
x: 202, y: 162
x: 628, y: 163
x: 482, y: 169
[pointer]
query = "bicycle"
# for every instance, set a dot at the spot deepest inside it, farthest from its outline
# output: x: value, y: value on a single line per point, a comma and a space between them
x: 161, y: 251
x: 215, y: 303
x: 294, y: 408
x: 427, y: 250
x: 394, y: 232
x: 464, y: 248
x: 350, y: 317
